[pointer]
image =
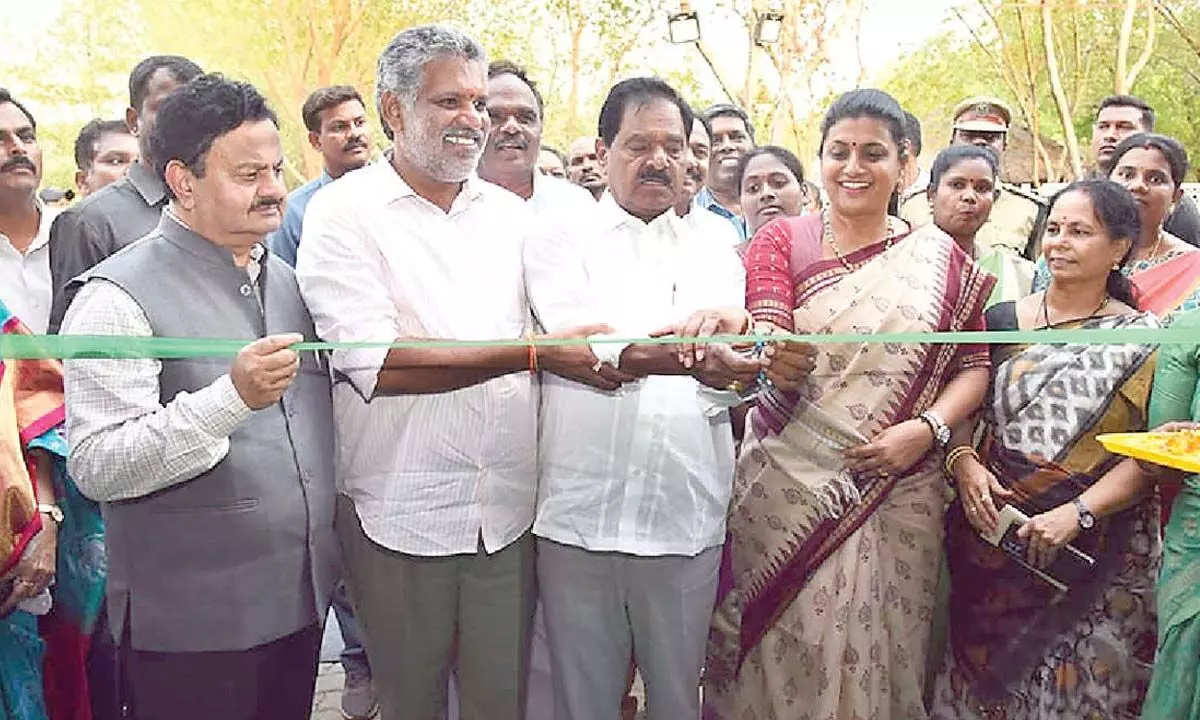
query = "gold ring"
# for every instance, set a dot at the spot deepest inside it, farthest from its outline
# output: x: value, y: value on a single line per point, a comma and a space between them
x: 735, y: 386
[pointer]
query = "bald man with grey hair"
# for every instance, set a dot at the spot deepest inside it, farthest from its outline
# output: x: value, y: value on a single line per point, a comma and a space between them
x: 437, y: 462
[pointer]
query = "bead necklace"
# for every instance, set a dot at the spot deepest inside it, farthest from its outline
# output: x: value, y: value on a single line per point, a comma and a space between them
x: 1046, y: 311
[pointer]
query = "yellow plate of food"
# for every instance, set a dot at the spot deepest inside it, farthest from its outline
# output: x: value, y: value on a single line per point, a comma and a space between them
x: 1179, y: 450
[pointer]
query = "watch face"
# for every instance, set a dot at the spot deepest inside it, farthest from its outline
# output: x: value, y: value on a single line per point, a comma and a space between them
x: 1087, y: 520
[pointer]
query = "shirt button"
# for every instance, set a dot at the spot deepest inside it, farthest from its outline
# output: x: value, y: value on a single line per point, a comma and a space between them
x: 245, y: 290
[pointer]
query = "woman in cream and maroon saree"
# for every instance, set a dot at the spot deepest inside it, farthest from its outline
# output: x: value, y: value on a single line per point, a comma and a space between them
x: 1023, y: 648
x: 836, y: 522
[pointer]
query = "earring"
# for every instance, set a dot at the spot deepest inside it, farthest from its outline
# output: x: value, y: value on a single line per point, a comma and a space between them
x: 1116, y: 266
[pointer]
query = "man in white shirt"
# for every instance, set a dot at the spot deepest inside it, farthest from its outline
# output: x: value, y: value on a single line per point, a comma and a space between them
x: 437, y: 446
x: 695, y: 176
x: 635, y: 484
x: 510, y: 160
x: 24, y: 220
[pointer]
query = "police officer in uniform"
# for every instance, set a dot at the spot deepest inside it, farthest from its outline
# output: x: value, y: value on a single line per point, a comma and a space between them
x: 1018, y: 216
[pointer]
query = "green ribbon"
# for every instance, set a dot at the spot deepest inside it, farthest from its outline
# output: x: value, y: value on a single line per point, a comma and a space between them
x: 121, y: 347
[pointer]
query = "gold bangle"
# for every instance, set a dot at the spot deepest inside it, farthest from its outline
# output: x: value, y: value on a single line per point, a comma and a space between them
x: 954, y: 456
x: 951, y: 456
x: 957, y: 454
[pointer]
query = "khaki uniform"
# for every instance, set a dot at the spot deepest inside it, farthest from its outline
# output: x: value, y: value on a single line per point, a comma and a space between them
x: 1016, y: 222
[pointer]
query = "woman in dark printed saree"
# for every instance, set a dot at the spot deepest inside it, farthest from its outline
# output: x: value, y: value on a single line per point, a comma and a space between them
x: 1021, y: 647
x: 836, y: 522
x: 1164, y: 269
x: 49, y: 533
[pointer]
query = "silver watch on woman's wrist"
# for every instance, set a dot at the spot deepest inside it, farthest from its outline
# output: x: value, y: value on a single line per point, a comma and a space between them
x: 941, y: 431
x: 1087, y: 520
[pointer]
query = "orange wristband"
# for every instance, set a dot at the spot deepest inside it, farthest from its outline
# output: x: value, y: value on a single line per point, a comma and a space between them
x: 533, y: 364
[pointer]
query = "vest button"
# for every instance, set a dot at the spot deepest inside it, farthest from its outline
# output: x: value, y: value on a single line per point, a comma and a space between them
x: 246, y: 290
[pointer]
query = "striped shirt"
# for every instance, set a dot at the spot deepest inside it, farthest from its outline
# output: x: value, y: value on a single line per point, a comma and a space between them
x: 432, y: 474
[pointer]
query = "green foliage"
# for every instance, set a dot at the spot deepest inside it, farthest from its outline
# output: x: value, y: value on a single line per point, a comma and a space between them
x: 78, y: 68
x: 954, y: 66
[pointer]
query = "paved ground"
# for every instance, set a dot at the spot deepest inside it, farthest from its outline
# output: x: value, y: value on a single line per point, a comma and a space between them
x: 328, y: 699
x: 327, y: 703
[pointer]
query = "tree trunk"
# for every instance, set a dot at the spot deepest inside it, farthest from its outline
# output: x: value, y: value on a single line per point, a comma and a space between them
x: 573, y: 93
x: 1060, y: 97
x: 1121, y: 82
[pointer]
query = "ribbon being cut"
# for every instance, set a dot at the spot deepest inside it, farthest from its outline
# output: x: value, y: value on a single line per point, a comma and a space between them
x: 104, y: 346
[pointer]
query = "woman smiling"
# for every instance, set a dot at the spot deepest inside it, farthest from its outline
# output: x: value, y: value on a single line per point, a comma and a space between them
x: 836, y: 521
x: 1165, y: 269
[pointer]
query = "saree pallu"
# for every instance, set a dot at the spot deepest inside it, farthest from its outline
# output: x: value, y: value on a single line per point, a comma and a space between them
x: 1019, y: 648
x: 42, y: 660
x: 832, y: 575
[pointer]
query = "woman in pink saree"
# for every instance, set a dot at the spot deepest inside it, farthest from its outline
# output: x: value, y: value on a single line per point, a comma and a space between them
x: 836, y: 522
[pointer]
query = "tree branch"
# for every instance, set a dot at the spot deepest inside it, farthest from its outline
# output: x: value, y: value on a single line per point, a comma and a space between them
x: 1148, y: 49
x: 1177, y: 25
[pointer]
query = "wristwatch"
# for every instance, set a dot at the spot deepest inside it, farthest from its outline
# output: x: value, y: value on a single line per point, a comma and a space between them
x: 54, y: 512
x: 941, y: 431
x: 1087, y: 520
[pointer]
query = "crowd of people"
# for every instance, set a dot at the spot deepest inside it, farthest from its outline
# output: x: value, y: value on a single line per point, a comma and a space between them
x: 510, y: 528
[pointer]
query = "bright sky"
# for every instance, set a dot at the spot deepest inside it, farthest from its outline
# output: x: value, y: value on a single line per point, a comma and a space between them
x: 894, y: 27
x: 890, y: 27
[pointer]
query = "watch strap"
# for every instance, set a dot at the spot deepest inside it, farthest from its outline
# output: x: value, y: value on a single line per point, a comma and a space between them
x: 1086, y: 518
x: 938, y: 426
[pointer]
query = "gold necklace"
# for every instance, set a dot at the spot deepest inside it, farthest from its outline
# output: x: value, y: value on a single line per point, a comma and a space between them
x: 1157, y: 244
x: 827, y: 231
